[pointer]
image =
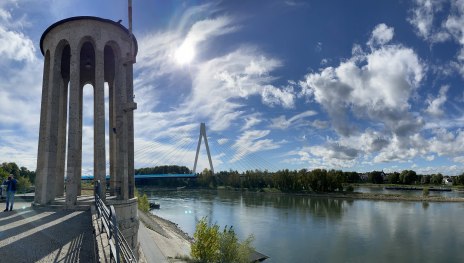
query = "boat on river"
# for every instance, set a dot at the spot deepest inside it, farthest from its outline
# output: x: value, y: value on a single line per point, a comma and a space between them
x: 154, y: 206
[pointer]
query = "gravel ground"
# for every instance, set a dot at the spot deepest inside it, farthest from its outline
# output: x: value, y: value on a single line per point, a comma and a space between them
x: 45, y: 235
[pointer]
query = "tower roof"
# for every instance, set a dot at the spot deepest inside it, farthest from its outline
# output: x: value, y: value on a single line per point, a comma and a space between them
x: 86, y: 18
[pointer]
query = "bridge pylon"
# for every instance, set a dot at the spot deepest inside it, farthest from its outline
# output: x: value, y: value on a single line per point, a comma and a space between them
x: 203, y: 135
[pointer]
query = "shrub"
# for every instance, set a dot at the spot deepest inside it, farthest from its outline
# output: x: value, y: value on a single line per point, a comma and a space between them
x: 350, y: 188
x: 425, y: 191
x: 228, y: 245
x: 142, y: 202
x: 23, y: 184
x: 210, y: 245
x: 206, y: 245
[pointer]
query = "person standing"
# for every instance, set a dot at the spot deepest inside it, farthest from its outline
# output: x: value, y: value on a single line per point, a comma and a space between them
x: 10, y: 192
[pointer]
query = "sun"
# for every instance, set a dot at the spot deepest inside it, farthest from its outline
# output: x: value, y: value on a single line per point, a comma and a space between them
x: 185, y: 53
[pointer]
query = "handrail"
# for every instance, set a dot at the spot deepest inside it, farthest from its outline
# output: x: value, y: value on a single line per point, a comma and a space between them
x: 120, y: 251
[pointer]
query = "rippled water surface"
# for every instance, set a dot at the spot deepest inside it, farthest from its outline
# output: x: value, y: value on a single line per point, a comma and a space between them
x: 291, y: 228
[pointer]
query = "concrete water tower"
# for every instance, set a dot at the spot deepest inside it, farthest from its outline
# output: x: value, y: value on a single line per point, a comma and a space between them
x: 79, y: 51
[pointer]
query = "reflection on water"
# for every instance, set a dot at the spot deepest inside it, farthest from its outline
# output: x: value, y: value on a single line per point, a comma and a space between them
x: 291, y: 228
x: 381, y: 190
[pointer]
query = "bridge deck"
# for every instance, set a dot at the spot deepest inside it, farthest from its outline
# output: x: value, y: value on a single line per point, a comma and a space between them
x: 148, y: 176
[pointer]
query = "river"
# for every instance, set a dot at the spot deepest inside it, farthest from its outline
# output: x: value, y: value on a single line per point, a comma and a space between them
x: 293, y: 228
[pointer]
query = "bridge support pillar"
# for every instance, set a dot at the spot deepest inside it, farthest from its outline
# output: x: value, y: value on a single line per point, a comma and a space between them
x: 127, y: 217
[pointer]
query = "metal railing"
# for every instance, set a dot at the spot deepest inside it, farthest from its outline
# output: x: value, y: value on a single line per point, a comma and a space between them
x: 120, y: 251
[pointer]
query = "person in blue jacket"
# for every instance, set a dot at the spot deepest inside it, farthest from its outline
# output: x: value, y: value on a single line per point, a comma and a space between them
x: 10, y: 192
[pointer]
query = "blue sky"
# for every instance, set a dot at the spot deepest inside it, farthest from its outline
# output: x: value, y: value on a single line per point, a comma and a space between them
x: 352, y: 85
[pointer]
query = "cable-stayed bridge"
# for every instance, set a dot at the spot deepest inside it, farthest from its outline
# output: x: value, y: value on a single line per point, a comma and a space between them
x: 195, y: 152
x: 192, y: 153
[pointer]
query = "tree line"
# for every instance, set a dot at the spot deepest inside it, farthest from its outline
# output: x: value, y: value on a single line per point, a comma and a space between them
x: 24, y: 177
x: 318, y: 180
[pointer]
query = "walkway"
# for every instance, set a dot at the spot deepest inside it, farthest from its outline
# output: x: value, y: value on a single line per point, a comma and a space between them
x: 45, y: 235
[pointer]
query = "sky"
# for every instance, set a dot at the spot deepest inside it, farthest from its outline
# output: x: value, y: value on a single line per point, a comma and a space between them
x: 353, y: 85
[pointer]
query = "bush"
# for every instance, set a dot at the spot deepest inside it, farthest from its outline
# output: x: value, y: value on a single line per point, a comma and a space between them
x: 23, y: 184
x: 210, y: 245
x: 350, y: 188
x: 425, y: 191
x: 206, y: 245
x: 228, y: 245
x: 142, y: 202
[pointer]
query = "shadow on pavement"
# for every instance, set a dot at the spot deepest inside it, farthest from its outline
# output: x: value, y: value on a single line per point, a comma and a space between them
x: 45, y: 235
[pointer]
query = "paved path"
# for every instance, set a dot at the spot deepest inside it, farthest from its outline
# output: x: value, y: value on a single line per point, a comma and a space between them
x: 45, y: 235
x: 150, y: 249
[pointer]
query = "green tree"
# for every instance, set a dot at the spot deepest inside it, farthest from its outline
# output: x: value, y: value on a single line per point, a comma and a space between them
x: 142, y: 201
x: 23, y: 184
x: 394, y: 178
x: 206, y: 242
x: 460, y: 179
x: 352, y: 177
x: 425, y: 191
x: 11, y: 168
x: 375, y: 177
x: 408, y: 177
x: 245, y: 249
x: 228, y: 245
x: 436, y: 179
x: 425, y: 179
x: 210, y: 245
x: 3, y: 175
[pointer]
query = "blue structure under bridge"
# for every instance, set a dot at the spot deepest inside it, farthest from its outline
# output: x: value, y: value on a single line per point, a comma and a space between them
x: 148, y: 176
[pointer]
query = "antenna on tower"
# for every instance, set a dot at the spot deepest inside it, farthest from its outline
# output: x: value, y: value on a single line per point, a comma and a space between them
x: 203, y: 134
x: 131, y: 37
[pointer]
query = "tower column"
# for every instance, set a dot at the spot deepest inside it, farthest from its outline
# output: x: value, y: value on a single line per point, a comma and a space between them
x: 99, y: 121
x: 42, y: 156
x: 121, y: 134
x: 129, y: 108
x: 112, y: 144
x: 61, y: 151
x: 74, y: 132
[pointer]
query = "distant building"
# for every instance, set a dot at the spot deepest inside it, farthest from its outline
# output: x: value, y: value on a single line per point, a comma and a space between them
x: 447, y: 181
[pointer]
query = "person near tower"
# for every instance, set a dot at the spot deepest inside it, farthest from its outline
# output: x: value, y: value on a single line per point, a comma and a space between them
x: 10, y: 192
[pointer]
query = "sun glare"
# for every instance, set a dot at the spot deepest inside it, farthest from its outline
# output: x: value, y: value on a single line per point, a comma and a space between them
x: 185, y: 54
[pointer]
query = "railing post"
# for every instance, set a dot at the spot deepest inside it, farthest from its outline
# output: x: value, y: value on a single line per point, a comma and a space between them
x: 97, y: 196
x: 114, y: 231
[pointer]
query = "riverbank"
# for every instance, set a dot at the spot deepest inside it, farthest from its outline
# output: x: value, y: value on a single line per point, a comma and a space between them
x: 173, y: 243
x: 354, y: 195
x: 387, y: 197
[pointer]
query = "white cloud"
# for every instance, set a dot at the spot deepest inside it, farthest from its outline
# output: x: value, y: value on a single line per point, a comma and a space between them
x: 275, y: 96
x: 329, y: 156
x: 213, y: 88
x: 403, y: 149
x: 217, y: 83
x: 282, y: 123
x: 250, y: 142
x: 251, y: 120
x: 376, y: 86
x: 440, y: 21
x: 381, y: 35
x: 16, y: 46
x: 435, y: 105
x: 447, y: 143
x: 20, y: 91
x: 222, y: 141
x: 423, y: 19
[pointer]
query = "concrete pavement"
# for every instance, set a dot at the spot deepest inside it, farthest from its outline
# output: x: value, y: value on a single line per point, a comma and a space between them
x: 160, y: 241
x: 45, y: 235
x: 150, y: 249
